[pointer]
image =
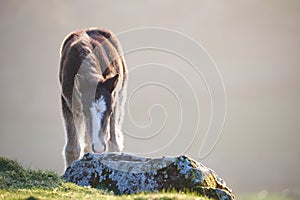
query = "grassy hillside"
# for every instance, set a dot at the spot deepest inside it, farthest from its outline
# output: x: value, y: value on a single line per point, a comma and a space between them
x: 19, y: 183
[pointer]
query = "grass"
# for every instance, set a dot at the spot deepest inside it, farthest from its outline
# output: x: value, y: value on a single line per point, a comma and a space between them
x: 19, y: 183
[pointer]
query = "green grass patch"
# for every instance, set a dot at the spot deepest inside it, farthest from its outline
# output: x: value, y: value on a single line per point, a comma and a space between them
x: 14, y: 176
x: 19, y: 183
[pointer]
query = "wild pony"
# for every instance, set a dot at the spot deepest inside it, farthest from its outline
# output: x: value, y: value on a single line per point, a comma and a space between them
x: 93, y: 78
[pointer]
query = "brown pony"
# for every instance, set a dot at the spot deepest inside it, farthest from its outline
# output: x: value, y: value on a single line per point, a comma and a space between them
x: 93, y: 78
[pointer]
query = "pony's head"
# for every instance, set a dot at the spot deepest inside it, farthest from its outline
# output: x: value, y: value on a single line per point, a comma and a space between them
x: 97, y: 102
x: 100, y: 110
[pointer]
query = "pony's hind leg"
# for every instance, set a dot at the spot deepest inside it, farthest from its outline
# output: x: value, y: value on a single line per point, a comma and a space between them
x: 72, y: 147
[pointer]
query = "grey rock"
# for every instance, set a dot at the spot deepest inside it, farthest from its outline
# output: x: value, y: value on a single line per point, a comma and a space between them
x: 126, y: 174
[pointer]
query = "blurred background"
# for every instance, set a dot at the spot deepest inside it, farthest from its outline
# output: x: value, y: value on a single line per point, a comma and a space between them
x: 255, y: 45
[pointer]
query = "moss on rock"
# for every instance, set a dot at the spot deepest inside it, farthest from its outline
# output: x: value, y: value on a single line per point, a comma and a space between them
x: 129, y: 174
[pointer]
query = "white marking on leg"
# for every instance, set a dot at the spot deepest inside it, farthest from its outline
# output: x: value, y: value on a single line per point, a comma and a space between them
x: 97, y: 110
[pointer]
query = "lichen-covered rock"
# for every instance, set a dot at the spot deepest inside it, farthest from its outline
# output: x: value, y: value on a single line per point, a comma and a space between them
x: 127, y: 174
